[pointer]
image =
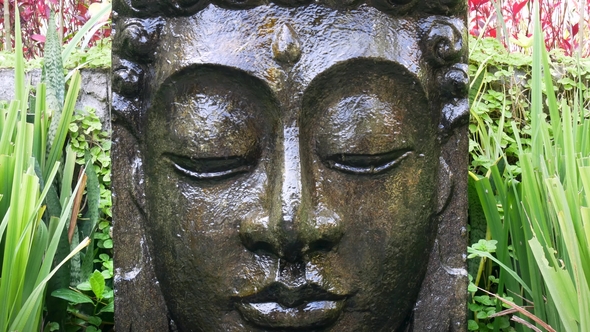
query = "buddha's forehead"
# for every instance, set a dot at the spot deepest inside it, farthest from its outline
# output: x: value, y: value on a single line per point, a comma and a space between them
x: 243, y: 39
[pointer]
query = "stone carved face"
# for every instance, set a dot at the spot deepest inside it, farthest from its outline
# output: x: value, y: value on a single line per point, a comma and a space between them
x: 290, y: 195
x: 292, y: 169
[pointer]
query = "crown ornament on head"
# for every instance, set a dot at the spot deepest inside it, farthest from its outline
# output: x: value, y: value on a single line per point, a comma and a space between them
x: 152, y: 8
x: 439, y: 25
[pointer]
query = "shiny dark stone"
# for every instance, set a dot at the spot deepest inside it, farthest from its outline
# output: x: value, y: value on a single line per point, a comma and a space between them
x: 290, y: 165
x: 127, y: 78
x: 137, y: 38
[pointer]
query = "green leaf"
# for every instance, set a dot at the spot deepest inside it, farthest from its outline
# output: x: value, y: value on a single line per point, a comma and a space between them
x: 101, y: 236
x: 485, y: 245
x: 84, y: 286
x: 53, y: 77
x: 108, y: 293
x: 106, y: 274
x: 91, y: 328
x: 103, y: 224
x: 92, y: 193
x: 80, y: 34
x: 481, y: 315
x: 94, y: 320
x: 71, y: 296
x: 560, y: 287
x: 485, y: 300
x: 56, y: 145
x: 97, y: 284
x: 475, y: 307
x: 51, y: 326
x: 503, y: 322
x: 108, y: 308
x: 504, y: 266
x: 472, y: 325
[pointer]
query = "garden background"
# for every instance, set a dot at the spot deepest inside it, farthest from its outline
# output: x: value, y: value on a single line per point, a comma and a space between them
x: 529, y: 172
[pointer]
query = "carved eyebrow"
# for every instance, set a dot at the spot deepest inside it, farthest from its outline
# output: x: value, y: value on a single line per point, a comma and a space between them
x: 203, y: 72
x: 321, y: 87
x: 217, y: 80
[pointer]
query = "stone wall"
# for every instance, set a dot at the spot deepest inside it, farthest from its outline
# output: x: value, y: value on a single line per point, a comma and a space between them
x: 95, y: 89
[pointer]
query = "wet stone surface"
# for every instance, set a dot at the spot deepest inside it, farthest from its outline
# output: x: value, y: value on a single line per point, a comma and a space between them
x: 290, y: 166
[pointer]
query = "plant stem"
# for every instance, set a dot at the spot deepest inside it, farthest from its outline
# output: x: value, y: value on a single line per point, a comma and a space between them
x: 581, y: 30
x: 61, y: 22
x: 7, y: 42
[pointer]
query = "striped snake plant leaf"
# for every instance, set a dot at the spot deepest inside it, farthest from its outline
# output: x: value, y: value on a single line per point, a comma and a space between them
x: 53, y: 77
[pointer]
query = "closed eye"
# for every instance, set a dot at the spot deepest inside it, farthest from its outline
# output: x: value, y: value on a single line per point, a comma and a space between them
x: 216, y: 168
x: 366, y: 164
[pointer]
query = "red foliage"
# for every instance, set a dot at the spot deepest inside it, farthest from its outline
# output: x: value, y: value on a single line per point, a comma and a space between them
x: 34, y: 15
x: 559, y: 21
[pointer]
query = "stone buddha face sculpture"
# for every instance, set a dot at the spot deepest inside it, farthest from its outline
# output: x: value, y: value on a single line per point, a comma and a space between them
x: 287, y: 166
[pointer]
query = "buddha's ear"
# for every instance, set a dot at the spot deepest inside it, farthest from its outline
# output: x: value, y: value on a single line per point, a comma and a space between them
x: 134, y: 272
x: 454, y: 85
x: 137, y: 178
x: 127, y: 162
x: 445, y: 185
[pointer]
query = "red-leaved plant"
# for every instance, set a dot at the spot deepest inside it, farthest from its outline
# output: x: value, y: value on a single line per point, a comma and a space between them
x: 34, y: 15
x: 564, y: 23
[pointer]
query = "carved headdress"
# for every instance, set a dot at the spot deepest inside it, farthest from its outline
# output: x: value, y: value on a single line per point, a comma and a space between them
x: 138, y: 24
x: 152, y: 8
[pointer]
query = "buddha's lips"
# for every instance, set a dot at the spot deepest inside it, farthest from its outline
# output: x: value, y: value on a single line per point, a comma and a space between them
x: 307, y: 316
x: 291, y: 297
x: 280, y: 306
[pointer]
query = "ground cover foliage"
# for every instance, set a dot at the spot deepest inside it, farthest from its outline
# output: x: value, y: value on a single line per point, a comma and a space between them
x: 529, y: 202
x: 96, y: 57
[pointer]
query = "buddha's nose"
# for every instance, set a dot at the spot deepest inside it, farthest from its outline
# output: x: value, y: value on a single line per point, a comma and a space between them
x: 295, y: 222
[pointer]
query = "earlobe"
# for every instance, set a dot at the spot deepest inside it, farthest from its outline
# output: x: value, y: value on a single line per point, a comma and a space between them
x: 454, y: 85
x: 445, y: 183
x: 137, y: 184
